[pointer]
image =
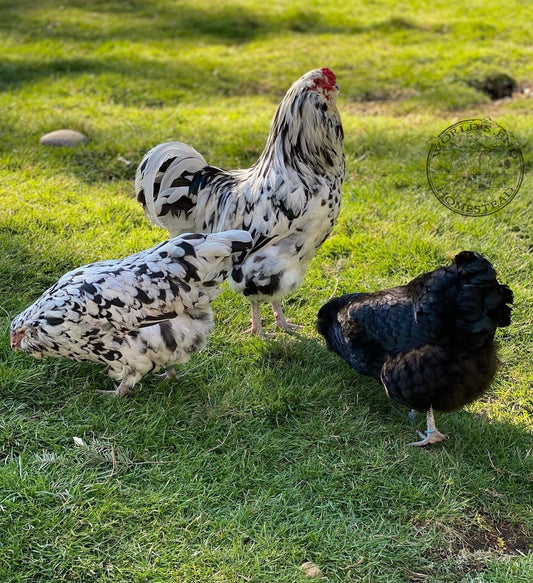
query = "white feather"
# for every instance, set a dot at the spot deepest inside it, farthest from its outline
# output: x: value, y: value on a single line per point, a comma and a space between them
x: 136, y: 314
x: 293, y: 191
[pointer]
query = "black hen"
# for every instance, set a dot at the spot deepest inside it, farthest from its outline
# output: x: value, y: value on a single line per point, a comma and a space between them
x: 430, y: 342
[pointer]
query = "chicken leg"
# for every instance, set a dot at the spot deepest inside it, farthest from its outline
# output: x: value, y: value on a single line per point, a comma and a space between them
x: 257, y: 326
x: 279, y: 317
x: 281, y: 321
x: 168, y: 375
x: 119, y: 391
x: 432, y: 434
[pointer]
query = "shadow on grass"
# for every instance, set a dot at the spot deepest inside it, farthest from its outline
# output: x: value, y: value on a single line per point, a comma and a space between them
x: 129, y: 81
x: 24, y: 272
x: 153, y: 20
x: 295, y: 435
x: 332, y: 382
x: 356, y: 408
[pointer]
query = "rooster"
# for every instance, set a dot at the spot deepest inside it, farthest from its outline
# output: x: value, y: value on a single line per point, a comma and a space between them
x: 288, y: 200
x: 430, y: 342
x: 149, y: 310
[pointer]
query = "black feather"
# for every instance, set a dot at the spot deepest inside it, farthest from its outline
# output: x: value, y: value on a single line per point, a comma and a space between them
x: 431, y: 342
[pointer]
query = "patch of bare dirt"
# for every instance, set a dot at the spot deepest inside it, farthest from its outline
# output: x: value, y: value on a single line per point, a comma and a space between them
x: 490, y: 534
x: 470, y: 545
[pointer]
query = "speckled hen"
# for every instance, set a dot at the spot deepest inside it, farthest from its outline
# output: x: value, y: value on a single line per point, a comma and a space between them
x: 430, y: 342
x: 288, y: 200
x: 136, y: 315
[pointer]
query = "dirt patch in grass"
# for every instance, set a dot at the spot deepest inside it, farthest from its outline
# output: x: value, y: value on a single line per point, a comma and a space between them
x: 492, y: 534
x: 471, y: 546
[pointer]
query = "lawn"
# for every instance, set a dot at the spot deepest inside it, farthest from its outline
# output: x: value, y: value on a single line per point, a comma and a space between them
x: 262, y: 454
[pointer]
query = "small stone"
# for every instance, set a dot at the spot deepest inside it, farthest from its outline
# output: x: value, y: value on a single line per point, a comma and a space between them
x: 123, y: 160
x: 311, y: 570
x: 69, y: 138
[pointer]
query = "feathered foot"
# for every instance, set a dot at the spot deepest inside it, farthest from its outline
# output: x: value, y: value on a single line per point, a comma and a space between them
x: 120, y: 390
x: 432, y: 434
x: 281, y: 321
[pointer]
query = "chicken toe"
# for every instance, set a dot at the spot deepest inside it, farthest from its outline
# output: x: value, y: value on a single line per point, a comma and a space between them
x: 119, y: 391
x: 432, y: 434
x: 281, y: 321
x: 429, y: 438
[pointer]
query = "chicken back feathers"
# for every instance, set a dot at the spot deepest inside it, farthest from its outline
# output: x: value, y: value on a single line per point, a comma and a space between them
x: 288, y: 200
x: 136, y: 314
x: 431, y: 342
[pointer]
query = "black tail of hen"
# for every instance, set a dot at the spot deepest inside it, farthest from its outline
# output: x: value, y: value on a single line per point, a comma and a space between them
x: 482, y: 303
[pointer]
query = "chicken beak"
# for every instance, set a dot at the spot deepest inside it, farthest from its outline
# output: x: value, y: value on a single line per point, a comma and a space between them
x: 16, y: 339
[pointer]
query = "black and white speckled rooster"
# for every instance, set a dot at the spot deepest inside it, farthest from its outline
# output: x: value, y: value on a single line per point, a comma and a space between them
x: 149, y: 310
x: 288, y: 200
x: 430, y: 342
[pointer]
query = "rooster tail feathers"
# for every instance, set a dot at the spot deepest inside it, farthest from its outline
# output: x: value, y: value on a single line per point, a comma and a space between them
x: 483, y: 304
x: 162, y: 184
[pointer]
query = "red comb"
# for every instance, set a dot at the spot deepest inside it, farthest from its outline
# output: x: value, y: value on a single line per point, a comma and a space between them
x: 329, y: 74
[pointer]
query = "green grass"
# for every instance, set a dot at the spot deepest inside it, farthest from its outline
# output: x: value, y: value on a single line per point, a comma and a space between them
x: 262, y: 454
